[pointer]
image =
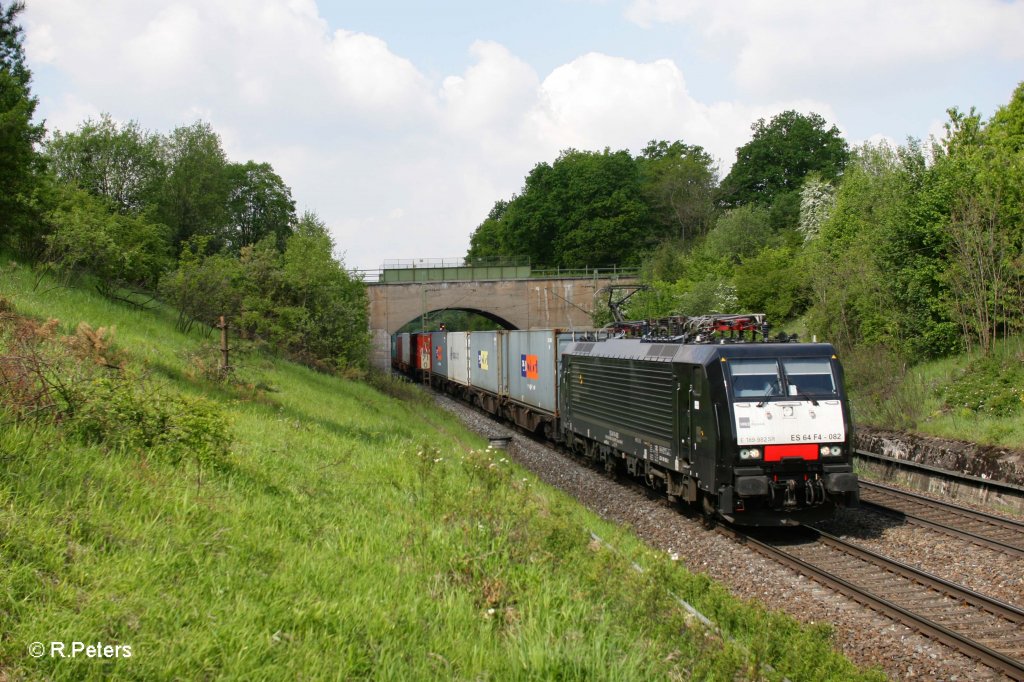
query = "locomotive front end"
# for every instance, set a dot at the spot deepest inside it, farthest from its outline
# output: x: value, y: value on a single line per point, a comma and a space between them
x: 790, y: 449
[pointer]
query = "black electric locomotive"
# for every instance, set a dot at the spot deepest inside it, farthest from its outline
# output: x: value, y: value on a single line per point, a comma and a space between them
x: 757, y: 433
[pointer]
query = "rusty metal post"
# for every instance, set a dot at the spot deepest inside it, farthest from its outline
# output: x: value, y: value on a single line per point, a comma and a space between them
x: 225, y: 366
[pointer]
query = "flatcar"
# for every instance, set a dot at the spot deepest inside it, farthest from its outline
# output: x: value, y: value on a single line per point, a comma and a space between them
x: 756, y: 433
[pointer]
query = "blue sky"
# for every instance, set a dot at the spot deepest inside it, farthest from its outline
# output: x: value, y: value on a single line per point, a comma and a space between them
x: 400, y: 123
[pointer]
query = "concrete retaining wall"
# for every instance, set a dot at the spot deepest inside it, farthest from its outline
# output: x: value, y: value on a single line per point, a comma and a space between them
x: 983, y: 461
x: 980, y: 461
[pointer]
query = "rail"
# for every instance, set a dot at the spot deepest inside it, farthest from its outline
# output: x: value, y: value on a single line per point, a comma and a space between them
x: 984, y: 491
x: 987, y: 530
x: 982, y: 628
x: 985, y: 629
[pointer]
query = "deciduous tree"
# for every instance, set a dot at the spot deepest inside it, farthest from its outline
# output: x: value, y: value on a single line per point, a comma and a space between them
x: 679, y: 183
x: 585, y: 209
x: 488, y: 241
x: 194, y: 198
x: 118, y: 162
x: 303, y: 301
x: 817, y: 198
x: 984, y: 166
x: 770, y: 169
x: 259, y: 205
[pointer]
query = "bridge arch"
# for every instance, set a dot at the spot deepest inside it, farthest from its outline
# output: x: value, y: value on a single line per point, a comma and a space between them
x: 431, y: 316
x: 528, y: 303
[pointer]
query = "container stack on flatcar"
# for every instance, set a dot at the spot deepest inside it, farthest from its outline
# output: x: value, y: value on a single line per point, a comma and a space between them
x: 752, y: 430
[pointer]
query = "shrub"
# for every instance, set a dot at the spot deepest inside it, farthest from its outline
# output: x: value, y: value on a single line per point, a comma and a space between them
x: 73, y: 382
x: 89, y: 236
x: 773, y: 282
x: 42, y: 374
x: 881, y: 390
x: 203, y: 287
x: 127, y: 413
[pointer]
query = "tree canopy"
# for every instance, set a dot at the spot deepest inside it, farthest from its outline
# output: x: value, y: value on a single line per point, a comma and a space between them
x: 770, y: 169
x: 601, y: 208
x: 259, y: 205
x: 19, y: 162
x: 194, y: 197
x: 679, y: 181
x: 121, y: 163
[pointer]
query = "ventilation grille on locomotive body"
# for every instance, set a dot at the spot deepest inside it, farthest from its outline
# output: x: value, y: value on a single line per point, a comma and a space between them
x: 637, y: 396
x: 662, y: 351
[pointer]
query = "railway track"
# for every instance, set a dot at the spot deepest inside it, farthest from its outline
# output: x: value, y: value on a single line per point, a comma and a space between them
x: 985, y: 629
x: 987, y: 530
x: 995, y: 494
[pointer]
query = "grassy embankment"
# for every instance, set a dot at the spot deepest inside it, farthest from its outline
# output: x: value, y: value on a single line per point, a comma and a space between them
x: 346, y: 534
x: 968, y: 397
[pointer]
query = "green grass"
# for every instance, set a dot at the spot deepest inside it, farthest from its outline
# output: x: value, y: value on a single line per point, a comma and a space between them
x: 348, y: 534
x: 973, y: 398
x: 966, y: 397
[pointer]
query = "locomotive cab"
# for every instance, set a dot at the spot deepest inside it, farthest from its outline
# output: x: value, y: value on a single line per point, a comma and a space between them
x: 788, y: 440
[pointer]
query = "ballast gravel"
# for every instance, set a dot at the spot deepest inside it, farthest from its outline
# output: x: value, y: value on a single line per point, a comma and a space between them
x: 864, y: 636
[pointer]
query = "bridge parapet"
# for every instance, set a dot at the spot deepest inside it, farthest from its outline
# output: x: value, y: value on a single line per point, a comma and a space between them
x: 458, y: 270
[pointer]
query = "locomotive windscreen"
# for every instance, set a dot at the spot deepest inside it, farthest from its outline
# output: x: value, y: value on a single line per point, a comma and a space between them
x: 766, y: 377
x: 809, y: 376
x: 755, y: 378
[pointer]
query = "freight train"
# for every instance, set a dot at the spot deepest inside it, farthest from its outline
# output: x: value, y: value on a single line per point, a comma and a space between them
x: 749, y: 429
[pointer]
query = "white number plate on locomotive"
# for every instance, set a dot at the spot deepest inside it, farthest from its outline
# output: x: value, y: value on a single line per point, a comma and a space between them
x: 778, y: 423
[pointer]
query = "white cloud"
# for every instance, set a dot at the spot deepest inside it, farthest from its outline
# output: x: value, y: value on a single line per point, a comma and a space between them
x: 798, y: 45
x: 397, y: 163
x: 876, y: 141
x: 169, y: 51
x: 66, y: 111
x: 369, y: 77
x: 597, y: 100
x: 492, y: 95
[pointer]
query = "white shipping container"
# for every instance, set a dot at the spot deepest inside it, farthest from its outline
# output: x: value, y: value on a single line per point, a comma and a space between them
x: 458, y: 357
x: 405, y: 349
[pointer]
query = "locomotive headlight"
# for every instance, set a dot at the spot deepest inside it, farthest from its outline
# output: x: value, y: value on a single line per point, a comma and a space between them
x: 836, y: 451
x: 750, y: 453
x: 825, y: 451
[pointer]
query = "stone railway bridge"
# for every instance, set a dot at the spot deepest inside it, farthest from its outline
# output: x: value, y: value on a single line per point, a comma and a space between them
x: 514, y: 297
